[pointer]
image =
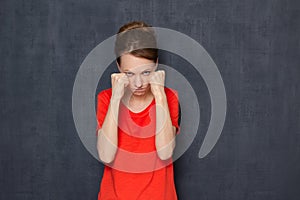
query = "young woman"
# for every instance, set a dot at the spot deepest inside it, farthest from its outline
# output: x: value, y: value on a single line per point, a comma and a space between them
x: 137, y: 122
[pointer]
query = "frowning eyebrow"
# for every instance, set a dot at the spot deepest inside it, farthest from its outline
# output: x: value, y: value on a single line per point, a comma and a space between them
x: 147, y: 69
x: 126, y: 70
x: 145, y: 65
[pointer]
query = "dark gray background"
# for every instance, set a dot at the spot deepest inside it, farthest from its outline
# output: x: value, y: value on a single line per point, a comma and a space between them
x: 255, y: 45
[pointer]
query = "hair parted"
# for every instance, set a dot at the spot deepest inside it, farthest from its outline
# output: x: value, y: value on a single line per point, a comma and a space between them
x: 138, y: 39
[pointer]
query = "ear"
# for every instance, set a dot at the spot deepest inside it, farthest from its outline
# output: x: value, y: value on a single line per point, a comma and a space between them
x: 156, y: 64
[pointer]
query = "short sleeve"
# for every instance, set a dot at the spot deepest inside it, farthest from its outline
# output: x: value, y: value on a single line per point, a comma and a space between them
x: 103, y: 99
x: 174, y: 108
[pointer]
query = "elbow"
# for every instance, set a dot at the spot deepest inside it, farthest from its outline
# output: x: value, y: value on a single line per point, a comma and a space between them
x: 106, y: 155
x: 164, y: 156
x: 105, y: 158
x: 167, y: 152
x: 106, y: 150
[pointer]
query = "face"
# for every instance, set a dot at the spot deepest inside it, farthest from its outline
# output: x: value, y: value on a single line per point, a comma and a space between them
x: 138, y: 71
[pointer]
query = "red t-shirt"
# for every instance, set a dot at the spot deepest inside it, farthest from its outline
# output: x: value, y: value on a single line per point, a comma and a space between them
x: 137, y: 172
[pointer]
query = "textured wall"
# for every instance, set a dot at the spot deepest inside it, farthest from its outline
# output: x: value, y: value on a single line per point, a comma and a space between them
x: 255, y: 45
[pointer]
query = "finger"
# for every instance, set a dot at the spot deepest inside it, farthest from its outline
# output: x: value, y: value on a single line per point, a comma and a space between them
x: 126, y: 82
x: 157, y: 75
x: 112, y: 77
x: 158, y: 79
x: 115, y: 76
x: 122, y: 80
x: 161, y: 73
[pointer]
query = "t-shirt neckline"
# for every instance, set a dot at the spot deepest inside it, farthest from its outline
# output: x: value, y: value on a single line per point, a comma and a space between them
x: 140, y: 112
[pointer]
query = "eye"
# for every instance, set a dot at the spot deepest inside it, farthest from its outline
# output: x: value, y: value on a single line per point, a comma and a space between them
x: 129, y: 74
x: 146, y: 73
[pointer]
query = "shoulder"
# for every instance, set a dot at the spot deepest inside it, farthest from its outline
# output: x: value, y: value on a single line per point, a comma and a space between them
x: 105, y: 94
x: 171, y: 93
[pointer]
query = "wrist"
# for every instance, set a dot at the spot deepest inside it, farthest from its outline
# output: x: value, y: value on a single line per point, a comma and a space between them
x: 159, y: 96
x: 115, y: 98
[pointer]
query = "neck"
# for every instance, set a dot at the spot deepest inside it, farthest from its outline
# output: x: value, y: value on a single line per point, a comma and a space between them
x: 129, y: 96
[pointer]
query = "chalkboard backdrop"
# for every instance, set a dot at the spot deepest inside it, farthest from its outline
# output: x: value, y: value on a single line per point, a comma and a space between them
x: 255, y: 44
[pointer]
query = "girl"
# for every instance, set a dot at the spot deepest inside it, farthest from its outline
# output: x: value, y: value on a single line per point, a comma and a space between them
x: 137, y: 122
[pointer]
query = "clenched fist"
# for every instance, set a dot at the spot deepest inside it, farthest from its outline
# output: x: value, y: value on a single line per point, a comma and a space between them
x: 118, y: 81
x: 157, y: 81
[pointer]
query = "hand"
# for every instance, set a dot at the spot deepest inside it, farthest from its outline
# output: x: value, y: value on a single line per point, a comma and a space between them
x: 118, y: 81
x: 157, y: 82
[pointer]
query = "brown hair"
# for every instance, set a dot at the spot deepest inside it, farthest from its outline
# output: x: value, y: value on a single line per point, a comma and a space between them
x: 141, y: 35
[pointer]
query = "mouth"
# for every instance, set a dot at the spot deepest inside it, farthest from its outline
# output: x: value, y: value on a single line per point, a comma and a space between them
x: 139, y: 90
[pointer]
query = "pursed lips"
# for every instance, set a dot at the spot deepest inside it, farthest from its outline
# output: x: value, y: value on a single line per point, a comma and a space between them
x: 140, y: 89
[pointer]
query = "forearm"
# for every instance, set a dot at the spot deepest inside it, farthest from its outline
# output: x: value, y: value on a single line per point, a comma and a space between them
x: 107, y: 142
x: 165, y: 132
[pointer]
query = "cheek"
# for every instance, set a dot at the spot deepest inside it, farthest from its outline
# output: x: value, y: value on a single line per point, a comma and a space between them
x: 146, y: 80
x: 146, y: 84
x: 131, y: 82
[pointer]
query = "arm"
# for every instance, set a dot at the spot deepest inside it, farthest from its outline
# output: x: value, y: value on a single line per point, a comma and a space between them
x: 107, y: 141
x: 165, y: 131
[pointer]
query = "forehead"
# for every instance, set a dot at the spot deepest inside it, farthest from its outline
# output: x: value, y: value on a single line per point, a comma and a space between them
x: 132, y: 63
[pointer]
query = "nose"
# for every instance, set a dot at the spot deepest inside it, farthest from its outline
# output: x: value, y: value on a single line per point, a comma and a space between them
x: 138, y: 81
